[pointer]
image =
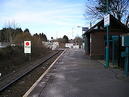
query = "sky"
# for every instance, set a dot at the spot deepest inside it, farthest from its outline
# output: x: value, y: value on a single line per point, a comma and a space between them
x: 55, y: 18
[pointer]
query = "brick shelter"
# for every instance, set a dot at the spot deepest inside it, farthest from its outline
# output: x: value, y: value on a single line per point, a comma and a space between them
x: 94, y: 38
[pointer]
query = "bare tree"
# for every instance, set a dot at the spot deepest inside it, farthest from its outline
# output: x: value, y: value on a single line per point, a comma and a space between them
x: 9, y: 31
x: 117, y: 8
x: 78, y: 40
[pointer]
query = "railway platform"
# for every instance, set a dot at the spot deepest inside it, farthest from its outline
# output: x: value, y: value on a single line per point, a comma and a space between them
x: 75, y: 75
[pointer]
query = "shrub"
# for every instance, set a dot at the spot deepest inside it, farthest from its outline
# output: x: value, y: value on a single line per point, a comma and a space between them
x: 6, y: 52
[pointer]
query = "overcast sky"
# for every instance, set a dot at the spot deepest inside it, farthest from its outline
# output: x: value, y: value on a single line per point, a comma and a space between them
x: 55, y: 18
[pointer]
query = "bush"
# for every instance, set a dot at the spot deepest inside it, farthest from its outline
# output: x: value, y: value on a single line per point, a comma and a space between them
x: 2, y: 53
x: 17, y: 52
x: 37, y: 47
x: 6, y: 52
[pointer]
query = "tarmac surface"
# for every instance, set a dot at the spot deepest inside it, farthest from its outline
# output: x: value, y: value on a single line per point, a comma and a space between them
x: 76, y: 75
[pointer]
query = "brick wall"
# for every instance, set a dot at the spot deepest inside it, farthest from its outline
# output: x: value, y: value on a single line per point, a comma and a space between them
x: 97, y: 44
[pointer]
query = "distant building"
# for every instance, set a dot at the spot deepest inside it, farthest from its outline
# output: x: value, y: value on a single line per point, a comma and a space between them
x: 71, y: 45
x: 76, y: 46
x: 51, y: 45
x: 55, y: 45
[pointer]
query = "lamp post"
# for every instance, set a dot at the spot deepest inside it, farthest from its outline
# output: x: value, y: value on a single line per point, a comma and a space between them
x: 74, y: 29
x: 72, y: 32
x: 80, y: 27
x: 107, y: 35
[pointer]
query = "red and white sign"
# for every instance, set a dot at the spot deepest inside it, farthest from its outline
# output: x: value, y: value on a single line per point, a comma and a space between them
x: 27, y: 46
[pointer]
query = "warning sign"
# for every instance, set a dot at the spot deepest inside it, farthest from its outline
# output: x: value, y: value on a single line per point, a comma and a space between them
x: 27, y: 46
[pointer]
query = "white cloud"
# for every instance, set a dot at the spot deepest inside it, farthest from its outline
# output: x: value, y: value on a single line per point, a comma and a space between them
x: 43, y: 12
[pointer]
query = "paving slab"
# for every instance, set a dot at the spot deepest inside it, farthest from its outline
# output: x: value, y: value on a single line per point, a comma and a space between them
x: 76, y: 75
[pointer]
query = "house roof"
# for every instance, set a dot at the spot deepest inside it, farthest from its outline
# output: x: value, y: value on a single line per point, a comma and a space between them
x: 113, y: 22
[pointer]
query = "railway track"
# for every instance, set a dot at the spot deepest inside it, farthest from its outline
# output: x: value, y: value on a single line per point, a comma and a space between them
x: 15, y: 76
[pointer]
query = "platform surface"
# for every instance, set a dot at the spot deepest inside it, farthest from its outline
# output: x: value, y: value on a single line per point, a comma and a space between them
x: 76, y: 75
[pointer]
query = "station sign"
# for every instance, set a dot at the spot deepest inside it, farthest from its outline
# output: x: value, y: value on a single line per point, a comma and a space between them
x: 107, y: 20
x: 84, y: 28
x: 27, y: 47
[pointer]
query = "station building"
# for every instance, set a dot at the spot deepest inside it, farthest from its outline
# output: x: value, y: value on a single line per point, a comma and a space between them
x: 95, y: 38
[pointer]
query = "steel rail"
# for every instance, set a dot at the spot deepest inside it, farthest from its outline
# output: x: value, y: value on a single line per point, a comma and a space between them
x: 6, y: 83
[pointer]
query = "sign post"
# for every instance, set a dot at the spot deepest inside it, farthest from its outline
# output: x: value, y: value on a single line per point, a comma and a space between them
x: 106, y: 24
x: 27, y: 48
